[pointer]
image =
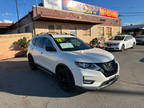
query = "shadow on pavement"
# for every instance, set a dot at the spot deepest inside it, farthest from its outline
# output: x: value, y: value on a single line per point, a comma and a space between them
x: 17, y: 78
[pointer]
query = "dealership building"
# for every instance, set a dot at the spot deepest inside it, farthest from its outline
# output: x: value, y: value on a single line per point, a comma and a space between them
x: 72, y: 17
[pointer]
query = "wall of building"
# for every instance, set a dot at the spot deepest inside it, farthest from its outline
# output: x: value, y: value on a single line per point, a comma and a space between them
x: 92, y: 31
x: 25, y: 25
x: 7, y: 42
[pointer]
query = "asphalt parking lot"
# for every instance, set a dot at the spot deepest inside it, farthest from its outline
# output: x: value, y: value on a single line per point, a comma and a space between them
x: 22, y: 88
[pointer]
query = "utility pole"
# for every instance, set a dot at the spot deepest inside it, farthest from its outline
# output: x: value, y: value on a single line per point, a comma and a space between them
x: 37, y: 7
x: 17, y: 9
x: 17, y: 16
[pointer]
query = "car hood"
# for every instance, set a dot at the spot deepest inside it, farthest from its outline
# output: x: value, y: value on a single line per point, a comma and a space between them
x: 113, y: 41
x: 94, y: 55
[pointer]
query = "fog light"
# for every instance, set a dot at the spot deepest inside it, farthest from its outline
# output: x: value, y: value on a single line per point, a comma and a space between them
x: 85, y: 81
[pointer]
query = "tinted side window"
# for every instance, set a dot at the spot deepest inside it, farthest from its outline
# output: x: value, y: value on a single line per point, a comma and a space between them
x: 38, y: 42
x: 130, y: 37
x: 47, y: 43
x: 34, y: 42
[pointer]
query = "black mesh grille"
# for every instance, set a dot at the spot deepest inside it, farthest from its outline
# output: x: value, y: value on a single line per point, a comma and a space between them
x: 110, y: 68
x: 109, y: 44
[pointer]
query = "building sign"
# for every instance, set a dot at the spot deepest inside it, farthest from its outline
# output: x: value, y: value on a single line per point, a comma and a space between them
x: 53, y: 4
x: 75, y: 6
x: 108, y: 13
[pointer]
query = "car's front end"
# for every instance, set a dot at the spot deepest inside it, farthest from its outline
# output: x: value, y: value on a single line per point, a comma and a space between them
x: 94, y: 69
x: 113, y: 45
x: 98, y: 75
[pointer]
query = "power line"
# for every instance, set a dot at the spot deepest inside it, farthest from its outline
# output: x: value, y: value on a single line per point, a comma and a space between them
x: 17, y: 9
x: 122, y: 15
x: 25, y: 5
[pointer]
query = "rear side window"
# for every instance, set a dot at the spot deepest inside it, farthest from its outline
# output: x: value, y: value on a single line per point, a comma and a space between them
x: 130, y: 37
x: 47, y: 43
x: 38, y: 42
x: 34, y: 42
x: 127, y: 38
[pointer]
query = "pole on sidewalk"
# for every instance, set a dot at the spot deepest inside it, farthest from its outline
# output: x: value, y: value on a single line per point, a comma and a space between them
x: 17, y: 14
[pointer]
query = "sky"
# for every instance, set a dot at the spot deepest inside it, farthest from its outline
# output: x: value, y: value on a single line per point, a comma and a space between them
x: 130, y: 11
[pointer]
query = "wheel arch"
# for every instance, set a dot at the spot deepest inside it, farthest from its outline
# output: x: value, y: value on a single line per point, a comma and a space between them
x: 29, y: 54
x: 64, y: 66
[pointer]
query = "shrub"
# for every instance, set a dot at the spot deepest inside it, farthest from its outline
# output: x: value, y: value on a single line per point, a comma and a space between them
x: 23, y: 43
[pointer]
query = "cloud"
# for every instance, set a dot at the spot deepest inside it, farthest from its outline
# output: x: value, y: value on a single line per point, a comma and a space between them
x: 7, y: 21
x: 7, y: 14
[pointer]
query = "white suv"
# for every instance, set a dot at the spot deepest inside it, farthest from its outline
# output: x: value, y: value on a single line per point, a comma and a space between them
x: 72, y: 61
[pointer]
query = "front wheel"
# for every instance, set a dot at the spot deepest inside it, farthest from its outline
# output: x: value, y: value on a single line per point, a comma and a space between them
x: 133, y: 45
x: 123, y: 48
x: 65, y: 79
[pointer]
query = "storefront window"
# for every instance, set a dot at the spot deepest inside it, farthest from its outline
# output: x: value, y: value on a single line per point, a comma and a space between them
x: 100, y: 31
x: 86, y: 32
x: 58, y: 29
x: 55, y: 28
x: 109, y: 31
x: 93, y: 32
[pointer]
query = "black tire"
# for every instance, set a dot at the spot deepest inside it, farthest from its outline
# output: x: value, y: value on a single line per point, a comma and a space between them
x: 31, y: 63
x: 123, y: 48
x: 65, y: 78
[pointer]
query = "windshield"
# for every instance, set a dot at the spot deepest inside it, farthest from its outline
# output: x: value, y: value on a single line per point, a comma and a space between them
x: 119, y: 38
x: 71, y: 44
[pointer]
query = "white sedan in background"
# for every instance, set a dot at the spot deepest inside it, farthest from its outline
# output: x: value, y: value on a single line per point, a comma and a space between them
x: 121, y: 42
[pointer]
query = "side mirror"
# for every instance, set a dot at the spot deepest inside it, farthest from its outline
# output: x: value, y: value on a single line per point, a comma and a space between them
x: 50, y: 49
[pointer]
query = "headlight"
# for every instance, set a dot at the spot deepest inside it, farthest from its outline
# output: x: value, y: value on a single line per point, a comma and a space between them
x: 91, y: 66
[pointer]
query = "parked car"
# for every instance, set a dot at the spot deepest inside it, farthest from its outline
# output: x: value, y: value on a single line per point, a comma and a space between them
x: 72, y: 61
x: 140, y: 39
x: 121, y: 42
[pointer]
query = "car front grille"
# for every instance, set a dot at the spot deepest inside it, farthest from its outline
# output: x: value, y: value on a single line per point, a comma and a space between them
x: 110, y: 68
x: 109, y: 44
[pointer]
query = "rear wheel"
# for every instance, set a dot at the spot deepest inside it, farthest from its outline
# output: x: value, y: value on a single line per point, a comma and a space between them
x: 65, y: 78
x: 31, y: 62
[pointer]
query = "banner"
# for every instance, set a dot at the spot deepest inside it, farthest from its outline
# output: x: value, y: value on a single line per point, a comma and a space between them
x: 75, y: 6
x: 108, y: 13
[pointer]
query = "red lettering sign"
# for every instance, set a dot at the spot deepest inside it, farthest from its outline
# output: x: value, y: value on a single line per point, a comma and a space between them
x: 108, y: 13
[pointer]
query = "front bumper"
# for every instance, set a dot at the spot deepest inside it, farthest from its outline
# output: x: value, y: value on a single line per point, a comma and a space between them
x: 99, y: 79
x: 105, y: 84
x: 112, y: 48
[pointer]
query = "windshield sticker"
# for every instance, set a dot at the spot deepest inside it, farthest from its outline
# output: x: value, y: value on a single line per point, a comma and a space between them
x: 59, y: 40
x: 66, y: 45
